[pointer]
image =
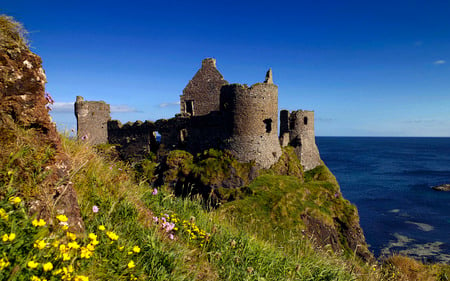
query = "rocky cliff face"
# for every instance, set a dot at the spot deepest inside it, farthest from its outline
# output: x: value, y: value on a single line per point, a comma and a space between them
x: 27, y: 136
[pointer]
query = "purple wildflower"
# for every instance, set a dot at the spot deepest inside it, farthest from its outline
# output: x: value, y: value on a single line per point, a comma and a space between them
x: 171, y: 236
x: 49, y: 98
x: 155, y: 219
x: 336, y: 195
x: 155, y: 191
x: 95, y: 209
x: 85, y: 137
x: 163, y: 219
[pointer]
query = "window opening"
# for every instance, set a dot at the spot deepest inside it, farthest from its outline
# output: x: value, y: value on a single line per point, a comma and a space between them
x: 268, y: 123
x: 189, y: 107
x: 305, y: 120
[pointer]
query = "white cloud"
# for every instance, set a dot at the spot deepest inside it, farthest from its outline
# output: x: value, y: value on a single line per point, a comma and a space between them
x: 122, y: 109
x: 62, y: 107
x: 167, y: 104
x: 439, y: 62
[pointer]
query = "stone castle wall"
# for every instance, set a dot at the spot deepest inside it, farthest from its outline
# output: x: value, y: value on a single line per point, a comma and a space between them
x: 92, y: 119
x: 135, y: 140
x: 201, y: 95
x: 252, y: 120
x: 302, y: 138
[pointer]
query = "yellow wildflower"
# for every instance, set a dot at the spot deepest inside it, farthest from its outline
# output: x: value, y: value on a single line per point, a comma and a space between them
x: 92, y: 236
x: 112, y: 235
x: 62, y: 218
x: 101, y: 227
x: 39, y: 222
x: 35, y: 278
x: 10, y: 237
x: 136, y: 249
x: 81, y: 278
x: 32, y: 264
x: 15, y: 200
x: 85, y: 253
x: 94, y: 242
x: 66, y: 257
x: 55, y: 243
x: 72, y: 236
x: 3, y: 263
x: 56, y: 272
x: 131, y: 264
x: 90, y: 247
x: 73, y: 245
x: 63, y: 248
x: 120, y: 248
x: 47, y: 266
x: 3, y: 214
x: 65, y: 227
x: 40, y: 244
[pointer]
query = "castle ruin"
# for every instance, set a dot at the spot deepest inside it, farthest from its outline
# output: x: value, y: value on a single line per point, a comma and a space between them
x: 213, y: 114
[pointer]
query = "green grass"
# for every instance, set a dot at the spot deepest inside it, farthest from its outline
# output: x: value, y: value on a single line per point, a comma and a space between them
x: 12, y: 34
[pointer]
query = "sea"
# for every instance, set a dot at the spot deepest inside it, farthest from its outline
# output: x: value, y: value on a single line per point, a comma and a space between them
x: 389, y: 179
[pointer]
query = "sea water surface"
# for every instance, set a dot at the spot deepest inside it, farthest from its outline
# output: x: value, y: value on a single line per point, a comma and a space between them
x: 390, y: 180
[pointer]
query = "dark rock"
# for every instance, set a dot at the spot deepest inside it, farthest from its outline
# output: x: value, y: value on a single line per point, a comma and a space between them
x: 442, y: 187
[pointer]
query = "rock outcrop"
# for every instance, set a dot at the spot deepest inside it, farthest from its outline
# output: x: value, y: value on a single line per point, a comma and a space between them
x: 26, y: 129
x: 442, y: 187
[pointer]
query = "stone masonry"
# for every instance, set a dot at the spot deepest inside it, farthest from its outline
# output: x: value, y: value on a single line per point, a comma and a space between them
x: 92, y: 119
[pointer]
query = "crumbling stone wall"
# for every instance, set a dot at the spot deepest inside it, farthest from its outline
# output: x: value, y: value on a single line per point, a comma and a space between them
x: 92, y: 120
x: 302, y: 138
x: 252, y: 120
x: 201, y: 95
x: 135, y: 140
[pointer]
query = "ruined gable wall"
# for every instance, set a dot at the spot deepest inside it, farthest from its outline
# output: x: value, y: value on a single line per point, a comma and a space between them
x: 302, y: 138
x: 203, y: 89
x: 252, y: 119
x: 135, y: 140
x: 92, y: 118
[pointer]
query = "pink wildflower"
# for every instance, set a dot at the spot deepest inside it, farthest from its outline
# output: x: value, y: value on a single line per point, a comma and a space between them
x: 155, y: 191
x: 95, y: 209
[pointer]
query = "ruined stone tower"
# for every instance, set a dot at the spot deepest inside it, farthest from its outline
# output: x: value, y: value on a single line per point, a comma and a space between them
x: 92, y: 120
x: 201, y: 95
x: 252, y: 121
x: 302, y: 138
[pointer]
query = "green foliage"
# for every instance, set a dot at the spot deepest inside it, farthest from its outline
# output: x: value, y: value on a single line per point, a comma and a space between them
x: 12, y: 33
x: 22, y: 162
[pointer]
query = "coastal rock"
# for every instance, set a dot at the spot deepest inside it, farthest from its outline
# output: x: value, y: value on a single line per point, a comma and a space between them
x: 442, y: 187
x: 26, y: 129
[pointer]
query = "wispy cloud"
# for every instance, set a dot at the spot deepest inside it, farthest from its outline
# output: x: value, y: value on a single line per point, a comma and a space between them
x: 63, y: 107
x: 122, y: 109
x: 421, y: 121
x: 167, y: 104
x: 324, y: 119
x: 439, y: 62
x: 68, y: 107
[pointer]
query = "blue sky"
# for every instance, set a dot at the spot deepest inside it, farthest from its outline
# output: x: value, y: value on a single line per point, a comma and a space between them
x: 367, y: 68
